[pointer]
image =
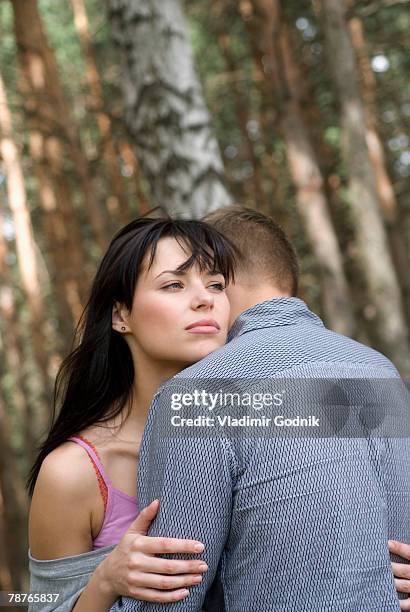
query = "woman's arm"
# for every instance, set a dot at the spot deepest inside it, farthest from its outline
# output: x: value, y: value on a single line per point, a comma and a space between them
x: 60, y: 526
x: 62, y: 505
x: 95, y: 596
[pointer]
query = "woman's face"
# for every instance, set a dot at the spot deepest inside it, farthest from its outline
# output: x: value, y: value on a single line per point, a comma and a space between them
x: 177, y: 318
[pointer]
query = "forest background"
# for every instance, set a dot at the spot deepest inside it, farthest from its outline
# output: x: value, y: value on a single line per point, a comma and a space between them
x: 298, y: 109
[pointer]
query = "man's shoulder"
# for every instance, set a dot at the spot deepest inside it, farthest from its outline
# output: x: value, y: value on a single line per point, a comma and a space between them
x: 358, y: 354
x: 211, y: 365
x: 268, y: 352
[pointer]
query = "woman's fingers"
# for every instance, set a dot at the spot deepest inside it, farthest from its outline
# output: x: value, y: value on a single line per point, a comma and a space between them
x: 156, y: 546
x: 163, y: 582
x: 159, y: 596
x: 405, y: 604
x: 402, y: 586
x: 401, y: 570
x: 155, y: 565
x: 398, y: 548
x: 144, y: 519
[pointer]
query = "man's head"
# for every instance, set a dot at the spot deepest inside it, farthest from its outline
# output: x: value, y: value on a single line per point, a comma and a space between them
x: 268, y: 267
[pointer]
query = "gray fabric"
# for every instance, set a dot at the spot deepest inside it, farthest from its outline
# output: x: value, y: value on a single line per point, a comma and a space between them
x: 67, y: 576
x: 289, y: 525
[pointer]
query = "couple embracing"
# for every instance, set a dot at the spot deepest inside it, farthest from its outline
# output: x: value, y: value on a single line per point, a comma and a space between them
x: 241, y: 523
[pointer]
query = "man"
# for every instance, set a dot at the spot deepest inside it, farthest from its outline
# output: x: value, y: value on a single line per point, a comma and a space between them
x: 288, y: 523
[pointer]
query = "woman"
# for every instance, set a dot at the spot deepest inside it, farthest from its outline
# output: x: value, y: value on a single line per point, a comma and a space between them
x: 157, y: 305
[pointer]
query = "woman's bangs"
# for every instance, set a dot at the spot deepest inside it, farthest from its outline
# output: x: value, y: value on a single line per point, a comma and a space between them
x: 210, y: 251
x: 204, y: 246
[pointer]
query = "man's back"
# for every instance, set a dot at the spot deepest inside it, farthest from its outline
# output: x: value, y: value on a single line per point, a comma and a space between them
x: 289, y: 523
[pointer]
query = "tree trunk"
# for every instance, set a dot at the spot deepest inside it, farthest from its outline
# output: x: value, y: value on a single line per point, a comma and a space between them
x: 14, y: 357
x: 67, y: 282
x: 271, y: 46
x: 132, y: 165
x: 116, y: 182
x: 36, y: 53
x: 15, y: 505
x: 400, y: 247
x: 165, y: 110
x: 241, y: 104
x: 47, y: 118
x: 269, y: 128
x: 383, y: 286
x: 5, y: 575
x: 25, y: 244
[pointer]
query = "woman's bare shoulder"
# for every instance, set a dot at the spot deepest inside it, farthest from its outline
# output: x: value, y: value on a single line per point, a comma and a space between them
x: 62, y: 504
x: 67, y: 460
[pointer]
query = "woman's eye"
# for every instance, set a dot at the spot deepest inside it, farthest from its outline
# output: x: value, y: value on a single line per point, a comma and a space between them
x: 176, y: 285
x: 218, y: 286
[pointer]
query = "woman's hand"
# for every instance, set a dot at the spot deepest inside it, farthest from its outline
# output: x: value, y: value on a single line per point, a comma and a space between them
x: 133, y: 570
x: 401, y: 571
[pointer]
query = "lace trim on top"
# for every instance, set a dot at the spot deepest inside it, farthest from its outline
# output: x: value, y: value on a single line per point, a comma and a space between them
x: 102, y: 485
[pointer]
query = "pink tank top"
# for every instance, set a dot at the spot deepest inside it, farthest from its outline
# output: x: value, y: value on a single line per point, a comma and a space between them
x: 120, y: 509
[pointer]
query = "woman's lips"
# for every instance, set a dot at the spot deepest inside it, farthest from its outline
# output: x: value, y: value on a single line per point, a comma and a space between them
x: 204, y: 326
x: 203, y: 329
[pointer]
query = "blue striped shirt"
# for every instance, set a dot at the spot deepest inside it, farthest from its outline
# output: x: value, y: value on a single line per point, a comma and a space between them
x: 289, y: 524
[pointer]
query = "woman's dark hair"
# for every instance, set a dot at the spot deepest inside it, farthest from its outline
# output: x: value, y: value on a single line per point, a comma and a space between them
x: 94, y: 382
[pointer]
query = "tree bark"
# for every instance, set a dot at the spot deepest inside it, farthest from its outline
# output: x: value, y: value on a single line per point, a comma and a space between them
x: 14, y: 357
x: 116, y: 182
x: 272, y: 49
x: 47, y: 118
x: 241, y: 105
x: 165, y: 110
x: 25, y: 243
x: 383, y: 286
x: 5, y: 576
x: 400, y: 247
x: 36, y: 54
x: 15, y: 505
x: 131, y: 162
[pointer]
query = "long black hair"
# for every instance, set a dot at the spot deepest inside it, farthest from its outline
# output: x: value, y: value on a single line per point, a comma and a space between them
x: 94, y: 382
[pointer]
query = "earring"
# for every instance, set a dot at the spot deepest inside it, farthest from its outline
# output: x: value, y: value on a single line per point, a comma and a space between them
x: 123, y: 328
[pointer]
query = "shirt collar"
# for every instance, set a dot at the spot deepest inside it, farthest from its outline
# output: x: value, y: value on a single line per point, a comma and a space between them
x: 273, y: 313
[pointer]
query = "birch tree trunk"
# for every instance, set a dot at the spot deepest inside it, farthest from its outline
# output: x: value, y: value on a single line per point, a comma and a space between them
x: 272, y: 48
x: 25, y: 244
x: 378, y: 268
x: 165, y: 110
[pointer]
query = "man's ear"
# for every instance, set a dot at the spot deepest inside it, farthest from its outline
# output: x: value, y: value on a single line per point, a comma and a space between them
x: 119, y: 317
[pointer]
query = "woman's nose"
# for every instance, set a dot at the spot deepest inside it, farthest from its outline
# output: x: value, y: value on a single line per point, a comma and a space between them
x: 203, y: 300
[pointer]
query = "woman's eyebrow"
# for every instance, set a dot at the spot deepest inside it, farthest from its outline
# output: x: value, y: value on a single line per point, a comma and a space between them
x: 176, y: 272
x: 214, y: 272
x: 183, y: 272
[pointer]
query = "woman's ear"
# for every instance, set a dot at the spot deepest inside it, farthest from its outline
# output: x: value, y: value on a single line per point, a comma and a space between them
x: 120, y: 318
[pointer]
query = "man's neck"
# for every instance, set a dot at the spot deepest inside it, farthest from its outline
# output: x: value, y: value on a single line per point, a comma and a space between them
x: 246, y: 295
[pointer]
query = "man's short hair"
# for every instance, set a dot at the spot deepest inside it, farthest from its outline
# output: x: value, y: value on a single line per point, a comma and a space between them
x: 266, y: 250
